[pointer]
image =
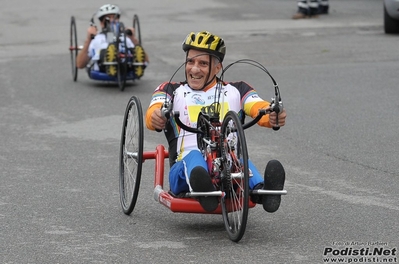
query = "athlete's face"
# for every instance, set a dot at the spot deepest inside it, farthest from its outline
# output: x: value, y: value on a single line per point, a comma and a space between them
x: 199, y: 68
x: 110, y: 18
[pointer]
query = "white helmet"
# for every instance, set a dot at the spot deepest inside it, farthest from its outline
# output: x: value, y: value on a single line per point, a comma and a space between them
x: 108, y: 9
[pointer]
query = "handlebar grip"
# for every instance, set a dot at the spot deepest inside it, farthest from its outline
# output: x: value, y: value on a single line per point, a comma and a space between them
x: 277, y: 110
x: 276, y: 127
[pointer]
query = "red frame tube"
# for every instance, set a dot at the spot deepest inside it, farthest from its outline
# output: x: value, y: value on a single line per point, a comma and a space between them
x: 175, y: 204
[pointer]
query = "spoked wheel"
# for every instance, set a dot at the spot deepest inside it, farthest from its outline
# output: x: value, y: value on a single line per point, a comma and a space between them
x: 122, y: 57
x: 139, y: 54
x: 235, y: 176
x: 136, y: 26
x: 131, y: 155
x: 73, y: 48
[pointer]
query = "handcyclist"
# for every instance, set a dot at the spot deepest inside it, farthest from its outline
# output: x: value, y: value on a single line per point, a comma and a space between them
x: 204, y: 56
x: 96, y: 42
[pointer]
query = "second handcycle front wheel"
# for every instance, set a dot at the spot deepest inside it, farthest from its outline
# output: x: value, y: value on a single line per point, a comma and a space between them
x: 131, y: 155
x: 136, y: 26
x: 73, y: 48
x: 122, y: 57
x: 235, y: 176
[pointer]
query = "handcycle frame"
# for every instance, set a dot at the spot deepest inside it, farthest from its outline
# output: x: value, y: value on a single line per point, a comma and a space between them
x: 124, y: 59
x: 223, y: 145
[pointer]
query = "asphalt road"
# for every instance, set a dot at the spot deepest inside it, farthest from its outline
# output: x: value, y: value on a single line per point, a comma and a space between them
x: 338, y: 75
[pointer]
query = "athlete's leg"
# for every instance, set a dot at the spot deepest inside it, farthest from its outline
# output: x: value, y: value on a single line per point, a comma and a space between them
x: 274, y: 178
x: 180, y: 171
x: 255, y: 177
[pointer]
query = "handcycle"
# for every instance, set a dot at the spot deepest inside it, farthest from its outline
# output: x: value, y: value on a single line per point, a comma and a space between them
x: 223, y: 145
x: 130, y: 64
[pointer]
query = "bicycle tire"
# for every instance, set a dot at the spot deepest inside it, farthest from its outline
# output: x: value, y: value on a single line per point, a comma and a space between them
x: 137, y: 30
x: 73, y: 48
x: 131, y: 155
x: 122, y: 57
x: 234, y: 153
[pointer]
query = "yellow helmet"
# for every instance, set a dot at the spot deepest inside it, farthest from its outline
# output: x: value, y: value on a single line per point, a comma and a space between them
x: 205, y: 41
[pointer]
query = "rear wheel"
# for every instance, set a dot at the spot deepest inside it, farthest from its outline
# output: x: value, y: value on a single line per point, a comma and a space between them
x: 122, y: 57
x: 136, y: 26
x: 131, y: 155
x: 73, y: 48
x: 235, y: 176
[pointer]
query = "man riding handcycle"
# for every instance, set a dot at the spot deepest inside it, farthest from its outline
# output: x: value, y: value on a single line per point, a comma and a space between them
x: 202, y: 119
x: 114, y: 53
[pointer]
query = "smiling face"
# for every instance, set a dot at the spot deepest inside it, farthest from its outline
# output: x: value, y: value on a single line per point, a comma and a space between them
x: 200, y: 69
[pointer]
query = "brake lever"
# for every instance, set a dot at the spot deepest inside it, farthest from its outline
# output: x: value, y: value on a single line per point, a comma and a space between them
x: 166, y: 111
x: 92, y: 24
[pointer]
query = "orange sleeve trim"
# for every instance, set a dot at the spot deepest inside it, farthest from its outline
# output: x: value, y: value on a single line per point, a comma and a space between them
x: 264, y: 121
x: 148, y: 115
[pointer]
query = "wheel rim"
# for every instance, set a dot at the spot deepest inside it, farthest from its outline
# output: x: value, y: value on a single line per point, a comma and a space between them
x: 235, y: 178
x: 122, y: 58
x: 131, y: 155
x: 73, y: 48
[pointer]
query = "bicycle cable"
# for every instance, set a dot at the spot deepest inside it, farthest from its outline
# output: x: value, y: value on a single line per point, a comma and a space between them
x: 276, y: 104
x: 259, y: 66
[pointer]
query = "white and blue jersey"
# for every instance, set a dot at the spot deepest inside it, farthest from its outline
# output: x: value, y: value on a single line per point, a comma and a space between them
x: 100, y: 43
x: 184, y: 153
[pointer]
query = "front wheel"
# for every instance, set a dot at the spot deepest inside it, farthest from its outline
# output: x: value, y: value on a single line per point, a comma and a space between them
x: 73, y: 48
x: 136, y: 26
x: 235, y: 176
x: 122, y: 57
x: 131, y: 155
